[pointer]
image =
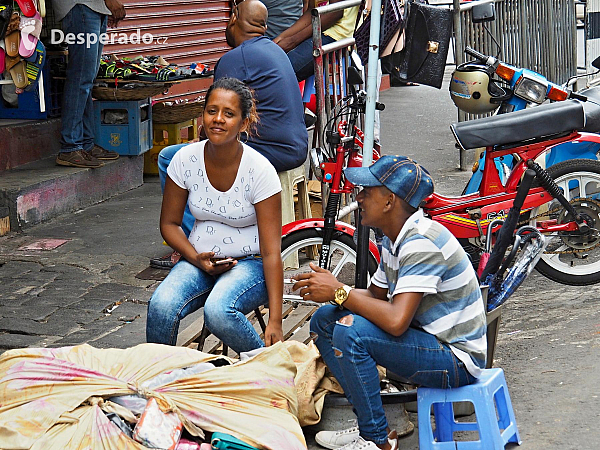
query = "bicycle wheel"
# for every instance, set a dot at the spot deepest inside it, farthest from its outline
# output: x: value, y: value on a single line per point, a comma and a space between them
x: 342, y: 256
x: 573, y: 258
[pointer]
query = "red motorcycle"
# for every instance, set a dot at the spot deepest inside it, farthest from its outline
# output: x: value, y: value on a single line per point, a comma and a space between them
x: 564, y: 203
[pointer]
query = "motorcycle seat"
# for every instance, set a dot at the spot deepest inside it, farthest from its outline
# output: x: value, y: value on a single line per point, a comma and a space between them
x: 519, y: 126
x: 592, y: 109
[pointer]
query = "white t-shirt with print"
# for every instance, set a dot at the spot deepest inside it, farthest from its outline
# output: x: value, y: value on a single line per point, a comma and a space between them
x: 225, y: 221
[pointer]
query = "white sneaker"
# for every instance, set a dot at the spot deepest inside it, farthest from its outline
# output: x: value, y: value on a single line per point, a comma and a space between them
x: 350, y: 439
x: 361, y: 444
x: 337, y: 439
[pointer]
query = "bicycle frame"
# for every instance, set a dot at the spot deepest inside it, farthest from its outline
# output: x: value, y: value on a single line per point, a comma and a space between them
x: 333, y: 170
x: 466, y: 216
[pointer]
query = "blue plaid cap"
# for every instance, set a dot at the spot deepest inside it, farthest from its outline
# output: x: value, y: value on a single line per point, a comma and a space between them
x: 401, y: 175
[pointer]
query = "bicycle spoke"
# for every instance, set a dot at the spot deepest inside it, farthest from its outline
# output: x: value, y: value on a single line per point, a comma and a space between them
x: 346, y: 258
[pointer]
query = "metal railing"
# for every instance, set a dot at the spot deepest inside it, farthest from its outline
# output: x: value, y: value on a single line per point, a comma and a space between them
x: 540, y: 35
x: 331, y: 63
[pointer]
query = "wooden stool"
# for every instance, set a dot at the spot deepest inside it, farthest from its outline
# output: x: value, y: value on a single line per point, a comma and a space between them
x: 289, y: 179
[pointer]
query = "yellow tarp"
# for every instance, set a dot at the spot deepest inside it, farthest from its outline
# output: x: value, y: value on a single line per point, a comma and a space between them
x: 54, y: 398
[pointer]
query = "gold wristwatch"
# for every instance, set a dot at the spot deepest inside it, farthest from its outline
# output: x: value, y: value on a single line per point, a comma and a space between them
x: 341, y: 295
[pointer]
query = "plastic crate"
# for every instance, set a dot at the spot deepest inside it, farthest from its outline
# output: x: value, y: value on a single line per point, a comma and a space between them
x: 123, y: 127
x: 151, y: 160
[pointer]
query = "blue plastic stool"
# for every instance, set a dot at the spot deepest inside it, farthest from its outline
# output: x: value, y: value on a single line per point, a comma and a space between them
x: 494, y: 431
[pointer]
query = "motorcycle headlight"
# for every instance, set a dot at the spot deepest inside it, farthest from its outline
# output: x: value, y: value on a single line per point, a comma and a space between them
x: 317, y: 157
x: 531, y: 89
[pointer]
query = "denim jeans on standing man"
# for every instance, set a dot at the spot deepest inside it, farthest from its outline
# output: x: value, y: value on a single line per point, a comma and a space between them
x: 226, y: 298
x: 352, y: 353
x: 77, y: 131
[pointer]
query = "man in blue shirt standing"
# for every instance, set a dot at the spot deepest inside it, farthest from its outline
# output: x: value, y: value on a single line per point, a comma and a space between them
x: 281, y: 134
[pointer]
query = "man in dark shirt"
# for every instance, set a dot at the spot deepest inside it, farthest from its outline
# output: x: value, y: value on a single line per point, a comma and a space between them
x: 282, y: 15
x: 281, y: 134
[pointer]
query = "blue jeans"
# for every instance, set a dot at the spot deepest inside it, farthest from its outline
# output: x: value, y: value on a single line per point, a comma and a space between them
x: 164, y: 159
x: 77, y: 131
x: 352, y: 353
x: 226, y: 300
x: 302, y: 57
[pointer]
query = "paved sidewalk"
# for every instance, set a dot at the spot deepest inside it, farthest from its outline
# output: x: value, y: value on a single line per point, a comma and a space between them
x: 67, y: 295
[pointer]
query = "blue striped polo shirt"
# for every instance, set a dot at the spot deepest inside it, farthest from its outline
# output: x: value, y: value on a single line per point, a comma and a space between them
x: 427, y: 258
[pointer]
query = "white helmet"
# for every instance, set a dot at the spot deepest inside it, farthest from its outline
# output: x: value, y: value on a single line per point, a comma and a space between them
x: 474, y: 91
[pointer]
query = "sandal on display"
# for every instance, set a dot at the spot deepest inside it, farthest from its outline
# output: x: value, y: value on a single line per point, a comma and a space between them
x: 5, y: 15
x: 12, y: 43
x: 27, y: 7
x: 10, y: 61
x: 118, y: 73
x: 164, y: 74
x: 13, y: 24
x: 30, y: 27
x: 167, y: 74
x: 34, y: 66
x: 18, y: 73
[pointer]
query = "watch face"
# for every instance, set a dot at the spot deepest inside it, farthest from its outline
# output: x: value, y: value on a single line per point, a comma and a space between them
x: 340, y: 296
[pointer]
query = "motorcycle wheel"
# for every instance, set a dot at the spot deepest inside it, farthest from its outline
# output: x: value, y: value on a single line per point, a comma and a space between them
x: 342, y: 256
x: 570, y: 258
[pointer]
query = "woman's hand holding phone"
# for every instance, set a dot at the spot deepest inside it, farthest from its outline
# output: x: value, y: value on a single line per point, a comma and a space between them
x: 208, y: 263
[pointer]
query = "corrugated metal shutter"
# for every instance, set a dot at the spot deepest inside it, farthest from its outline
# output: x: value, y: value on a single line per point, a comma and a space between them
x: 184, y: 31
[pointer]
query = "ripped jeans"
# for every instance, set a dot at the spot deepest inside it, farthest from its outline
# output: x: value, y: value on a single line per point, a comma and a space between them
x: 352, y: 353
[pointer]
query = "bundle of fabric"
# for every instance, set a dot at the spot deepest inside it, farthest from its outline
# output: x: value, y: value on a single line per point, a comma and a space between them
x: 60, y: 398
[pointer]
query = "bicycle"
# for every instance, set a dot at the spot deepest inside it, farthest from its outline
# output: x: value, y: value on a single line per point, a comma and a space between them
x: 334, y: 239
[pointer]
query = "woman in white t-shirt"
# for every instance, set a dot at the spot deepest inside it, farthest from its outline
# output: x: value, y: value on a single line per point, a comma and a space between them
x: 234, y: 194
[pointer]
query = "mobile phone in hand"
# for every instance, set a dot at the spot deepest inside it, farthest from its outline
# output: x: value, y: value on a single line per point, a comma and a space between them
x: 223, y: 261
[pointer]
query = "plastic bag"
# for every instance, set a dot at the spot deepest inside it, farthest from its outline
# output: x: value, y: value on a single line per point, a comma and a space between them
x: 157, y: 429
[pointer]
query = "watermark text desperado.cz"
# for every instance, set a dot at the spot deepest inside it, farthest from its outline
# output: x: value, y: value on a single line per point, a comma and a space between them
x: 89, y: 39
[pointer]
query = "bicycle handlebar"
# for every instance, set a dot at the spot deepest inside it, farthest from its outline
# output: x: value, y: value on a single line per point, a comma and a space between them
x: 577, y: 96
x: 475, y: 54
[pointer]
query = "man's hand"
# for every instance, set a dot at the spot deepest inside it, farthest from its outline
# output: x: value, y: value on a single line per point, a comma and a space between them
x: 204, y: 262
x: 318, y: 286
x: 118, y: 12
x: 273, y: 334
x: 286, y: 44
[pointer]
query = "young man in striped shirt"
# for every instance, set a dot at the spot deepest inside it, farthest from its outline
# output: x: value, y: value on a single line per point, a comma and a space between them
x: 422, y: 317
